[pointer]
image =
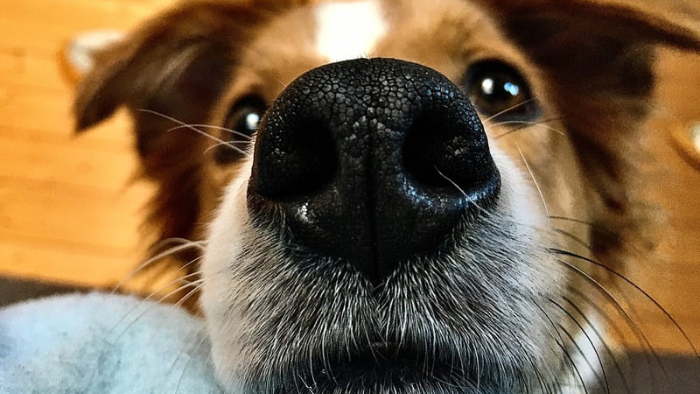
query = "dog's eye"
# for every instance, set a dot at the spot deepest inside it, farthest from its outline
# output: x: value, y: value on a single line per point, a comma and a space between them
x: 498, y: 90
x: 241, y: 123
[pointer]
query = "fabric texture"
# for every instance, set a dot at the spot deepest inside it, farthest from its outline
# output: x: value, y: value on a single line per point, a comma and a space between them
x: 105, y: 344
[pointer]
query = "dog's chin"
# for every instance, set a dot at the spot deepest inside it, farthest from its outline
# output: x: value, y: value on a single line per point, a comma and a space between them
x: 388, y: 368
x: 395, y: 380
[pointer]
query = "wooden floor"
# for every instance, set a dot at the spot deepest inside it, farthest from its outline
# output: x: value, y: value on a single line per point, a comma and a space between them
x: 69, y: 213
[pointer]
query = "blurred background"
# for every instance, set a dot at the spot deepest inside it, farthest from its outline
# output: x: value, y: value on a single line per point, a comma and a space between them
x: 70, y: 211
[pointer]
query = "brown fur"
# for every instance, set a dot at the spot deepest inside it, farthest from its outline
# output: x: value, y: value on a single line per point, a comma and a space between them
x: 600, y: 56
x: 186, y: 53
x: 595, y: 60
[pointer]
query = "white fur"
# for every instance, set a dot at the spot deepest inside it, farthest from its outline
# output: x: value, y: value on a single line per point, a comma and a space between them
x: 217, y: 295
x: 348, y: 30
x: 231, y: 231
x: 589, y: 344
x: 81, y: 51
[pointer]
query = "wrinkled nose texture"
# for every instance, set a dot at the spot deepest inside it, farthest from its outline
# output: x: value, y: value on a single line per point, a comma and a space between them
x: 372, y: 161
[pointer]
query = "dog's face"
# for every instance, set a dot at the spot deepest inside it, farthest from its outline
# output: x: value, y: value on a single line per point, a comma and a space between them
x: 388, y: 176
x: 363, y: 239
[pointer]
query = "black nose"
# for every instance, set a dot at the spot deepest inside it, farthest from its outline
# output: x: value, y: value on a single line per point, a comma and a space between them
x: 371, y: 161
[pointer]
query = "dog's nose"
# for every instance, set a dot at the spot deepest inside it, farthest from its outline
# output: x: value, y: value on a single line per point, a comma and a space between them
x: 374, y: 162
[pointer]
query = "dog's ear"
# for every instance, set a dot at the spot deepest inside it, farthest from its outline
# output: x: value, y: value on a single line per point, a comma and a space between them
x: 675, y: 22
x: 599, y: 52
x: 177, y: 65
x: 597, y: 60
x: 172, y: 69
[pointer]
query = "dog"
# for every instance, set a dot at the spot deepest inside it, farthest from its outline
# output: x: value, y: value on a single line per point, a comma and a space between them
x: 396, y: 196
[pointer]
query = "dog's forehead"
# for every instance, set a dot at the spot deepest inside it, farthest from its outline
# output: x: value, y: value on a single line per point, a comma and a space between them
x: 445, y: 35
x: 348, y: 29
x: 367, y: 28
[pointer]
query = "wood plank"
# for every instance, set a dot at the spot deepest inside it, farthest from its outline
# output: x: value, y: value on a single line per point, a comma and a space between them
x: 67, y: 213
x: 19, y: 68
x: 113, y: 137
x: 66, y: 163
x: 38, y: 259
x: 35, y: 25
x: 49, y: 111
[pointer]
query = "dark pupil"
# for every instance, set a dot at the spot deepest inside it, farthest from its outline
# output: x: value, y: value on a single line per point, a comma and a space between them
x: 241, y: 124
x: 498, y: 92
x: 247, y: 121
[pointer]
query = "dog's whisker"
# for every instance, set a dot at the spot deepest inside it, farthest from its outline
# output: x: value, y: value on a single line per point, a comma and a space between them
x: 188, y: 341
x: 556, y: 337
x: 640, y: 290
x: 448, y: 179
x: 312, y: 372
x: 283, y: 85
x: 336, y: 240
x: 573, y: 343
x: 177, y: 240
x: 185, y: 279
x: 156, y: 332
x: 488, y: 214
x: 574, y: 238
x: 602, y: 341
x: 432, y: 350
x: 196, y: 130
x: 511, y: 108
x: 191, y: 292
x: 601, y: 229
x: 214, y: 127
x: 532, y: 175
x: 585, y: 223
x: 544, y: 387
x: 169, y: 252
x: 297, y: 380
x: 157, y: 291
x: 146, y: 307
x: 324, y: 356
x: 458, y: 355
x: 604, y: 379
x: 189, y: 360
x: 525, y: 124
x: 229, y: 144
x: 559, y: 341
x: 613, y: 325
x: 639, y: 332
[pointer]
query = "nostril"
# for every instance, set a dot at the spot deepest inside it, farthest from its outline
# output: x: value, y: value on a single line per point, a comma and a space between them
x: 446, y: 148
x: 296, y: 163
x: 372, y: 161
x: 421, y: 153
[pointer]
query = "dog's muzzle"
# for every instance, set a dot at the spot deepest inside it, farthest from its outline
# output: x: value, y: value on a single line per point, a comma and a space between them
x: 371, y: 161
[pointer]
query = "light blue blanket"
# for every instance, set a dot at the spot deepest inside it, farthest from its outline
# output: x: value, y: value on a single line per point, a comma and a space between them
x: 104, y: 344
